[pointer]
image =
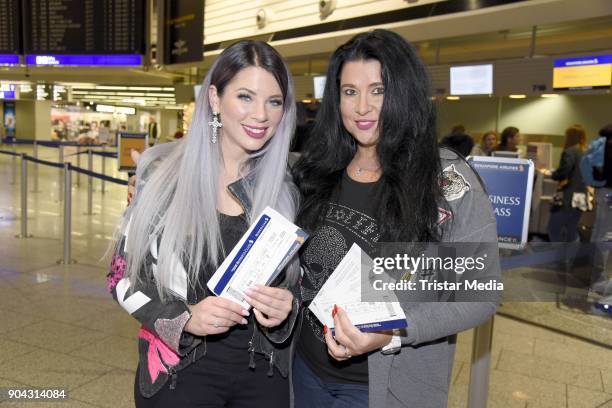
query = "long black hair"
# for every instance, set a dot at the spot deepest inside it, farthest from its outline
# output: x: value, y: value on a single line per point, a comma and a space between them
x: 407, y: 150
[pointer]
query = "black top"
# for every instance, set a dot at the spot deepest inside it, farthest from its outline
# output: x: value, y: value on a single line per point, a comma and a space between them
x: 350, y: 218
x: 232, y: 346
x: 568, y: 173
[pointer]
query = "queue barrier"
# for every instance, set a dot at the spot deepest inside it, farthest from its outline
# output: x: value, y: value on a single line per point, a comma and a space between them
x: 67, y: 179
x: 60, y: 145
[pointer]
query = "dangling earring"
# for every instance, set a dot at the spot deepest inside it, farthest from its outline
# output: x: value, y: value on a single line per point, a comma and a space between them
x: 215, y: 125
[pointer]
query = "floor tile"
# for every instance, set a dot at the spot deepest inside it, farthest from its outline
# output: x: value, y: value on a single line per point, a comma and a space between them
x: 45, y: 369
x: 56, y: 336
x: 11, y: 349
x: 12, y: 320
x: 113, y: 351
x: 113, y: 390
x: 584, y: 354
x: 551, y: 370
x: 582, y: 398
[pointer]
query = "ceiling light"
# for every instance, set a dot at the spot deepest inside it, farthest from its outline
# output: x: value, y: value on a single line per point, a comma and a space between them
x: 517, y: 96
x: 117, y: 88
x: 144, y: 88
x: 549, y: 95
x: 452, y: 98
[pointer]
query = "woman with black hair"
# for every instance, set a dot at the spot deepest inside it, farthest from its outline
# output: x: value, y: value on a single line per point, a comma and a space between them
x: 371, y: 173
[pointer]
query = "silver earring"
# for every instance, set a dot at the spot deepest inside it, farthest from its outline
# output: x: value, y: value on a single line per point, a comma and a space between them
x: 214, y: 126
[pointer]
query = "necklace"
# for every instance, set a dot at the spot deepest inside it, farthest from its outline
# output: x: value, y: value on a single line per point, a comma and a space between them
x: 359, y: 170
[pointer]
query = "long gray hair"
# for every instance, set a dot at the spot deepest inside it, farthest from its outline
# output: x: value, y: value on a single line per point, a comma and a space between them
x: 177, y: 203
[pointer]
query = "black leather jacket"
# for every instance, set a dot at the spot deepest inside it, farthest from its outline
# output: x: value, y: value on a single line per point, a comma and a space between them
x: 163, y: 323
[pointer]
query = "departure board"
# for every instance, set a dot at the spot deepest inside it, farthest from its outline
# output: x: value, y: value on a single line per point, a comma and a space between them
x: 10, y: 28
x: 84, y: 26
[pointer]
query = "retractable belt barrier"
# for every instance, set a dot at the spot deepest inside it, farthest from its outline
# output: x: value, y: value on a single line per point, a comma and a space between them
x: 67, y: 176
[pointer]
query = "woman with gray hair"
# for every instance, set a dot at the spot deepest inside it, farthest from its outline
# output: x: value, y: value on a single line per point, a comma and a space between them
x: 188, y: 212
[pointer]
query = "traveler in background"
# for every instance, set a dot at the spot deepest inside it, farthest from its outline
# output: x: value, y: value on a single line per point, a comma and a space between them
x: 571, y: 198
x: 459, y: 142
x: 510, y: 139
x: 487, y: 144
x: 152, y: 131
x: 458, y: 128
x: 596, y: 170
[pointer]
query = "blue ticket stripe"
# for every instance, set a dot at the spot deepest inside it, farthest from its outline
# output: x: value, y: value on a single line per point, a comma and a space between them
x: 380, y: 326
x: 301, y: 238
x: 242, y: 253
x: 386, y: 325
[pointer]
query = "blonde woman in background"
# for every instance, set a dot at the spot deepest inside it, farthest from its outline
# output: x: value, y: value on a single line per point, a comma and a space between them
x: 487, y: 144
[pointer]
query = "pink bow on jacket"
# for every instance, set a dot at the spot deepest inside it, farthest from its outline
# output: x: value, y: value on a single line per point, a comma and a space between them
x: 158, y: 351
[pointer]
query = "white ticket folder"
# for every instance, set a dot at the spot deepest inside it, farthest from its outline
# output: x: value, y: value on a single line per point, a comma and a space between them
x: 259, y: 257
x: 343, y: 288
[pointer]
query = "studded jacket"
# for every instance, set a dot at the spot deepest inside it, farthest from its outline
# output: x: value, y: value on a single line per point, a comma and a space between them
x: 164, y: 347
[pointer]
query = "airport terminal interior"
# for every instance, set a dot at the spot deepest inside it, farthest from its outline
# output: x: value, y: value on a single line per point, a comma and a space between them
x: 494, y: 65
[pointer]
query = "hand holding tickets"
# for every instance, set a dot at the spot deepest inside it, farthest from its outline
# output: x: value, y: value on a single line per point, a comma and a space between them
x: 260, y: 255
x: 343, y: 288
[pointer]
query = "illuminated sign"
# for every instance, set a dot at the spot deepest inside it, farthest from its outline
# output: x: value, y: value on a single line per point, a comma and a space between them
x: 116, y: 109
x: 583, y: 73
x: 9, y: 59
x: 120, y: 60
x: 7, y: 91
x: 471, y: 80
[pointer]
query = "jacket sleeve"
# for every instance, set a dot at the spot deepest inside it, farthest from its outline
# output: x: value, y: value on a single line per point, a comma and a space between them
x: 472, y: 224
x: 141, y: 299
x: 566, y: 165
x: 428, y: 321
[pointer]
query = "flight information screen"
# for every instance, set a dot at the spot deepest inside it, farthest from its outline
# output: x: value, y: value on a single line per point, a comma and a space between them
x: 84, y: 26
x: 10, y: 27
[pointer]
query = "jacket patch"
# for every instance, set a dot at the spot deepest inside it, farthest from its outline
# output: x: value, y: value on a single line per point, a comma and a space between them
x: 116, y: 273
x: 170, y: 330
x: 178, y: 280
x: 443, y: 215
x: 453, y: 184
x: 132, y: 303
x: 159, y: 353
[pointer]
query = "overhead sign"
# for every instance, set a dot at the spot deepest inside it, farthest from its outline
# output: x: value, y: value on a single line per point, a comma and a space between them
x: 9, y: 59
x: 7, y: 91
x: 183, y: 31
x: 509, y: 184
x: 471, y: 80
x: 583, y: 73
x: 85, y: 60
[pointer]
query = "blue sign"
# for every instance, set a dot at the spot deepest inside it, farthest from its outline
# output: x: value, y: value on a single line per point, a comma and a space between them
x: 7, y: 91
x: 578, y: 62
x: 125, y: 60
x: 9, y: 59
x: 509, y: 184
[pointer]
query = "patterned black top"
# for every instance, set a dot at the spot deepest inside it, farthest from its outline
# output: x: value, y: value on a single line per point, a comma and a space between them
x: 350, y: 218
